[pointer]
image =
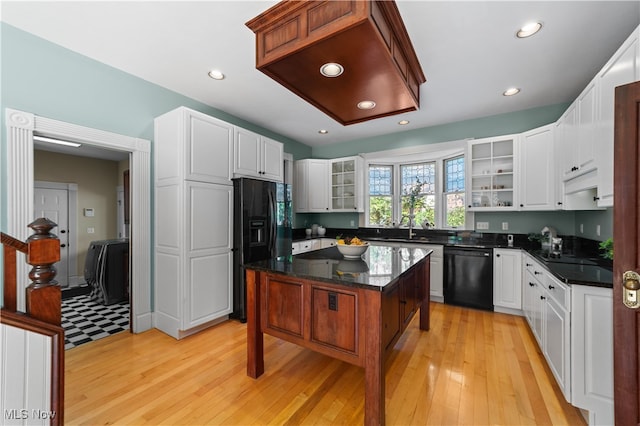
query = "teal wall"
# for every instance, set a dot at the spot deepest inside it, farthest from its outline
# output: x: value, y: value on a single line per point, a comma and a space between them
x: 48, y: 80
x: 504, y: 124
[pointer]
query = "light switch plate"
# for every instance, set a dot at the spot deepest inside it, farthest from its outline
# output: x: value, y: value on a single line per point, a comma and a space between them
x: 482, y: 225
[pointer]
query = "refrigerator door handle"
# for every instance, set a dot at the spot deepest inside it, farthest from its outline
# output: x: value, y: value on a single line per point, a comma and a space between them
x: 272, y: 224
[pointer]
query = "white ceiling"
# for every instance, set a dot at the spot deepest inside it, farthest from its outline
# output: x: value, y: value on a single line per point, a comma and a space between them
x: 468, y: 51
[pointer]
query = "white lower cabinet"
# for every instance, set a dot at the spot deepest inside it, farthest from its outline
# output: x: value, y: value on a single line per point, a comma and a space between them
x: 507, y: 279
x: 573, y: 325
x: 592, y: 352
x: 436, y: 271
x: 193, y: 284
x: 547, y: 310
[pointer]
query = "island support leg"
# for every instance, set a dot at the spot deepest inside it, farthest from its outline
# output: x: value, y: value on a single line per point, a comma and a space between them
x: 374, y: 361
x: 255, y: 338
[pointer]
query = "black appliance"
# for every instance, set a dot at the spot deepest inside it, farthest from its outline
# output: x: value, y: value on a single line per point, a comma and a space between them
x: 468, y: 277
x: 106, y: 271
x: 261, y: 230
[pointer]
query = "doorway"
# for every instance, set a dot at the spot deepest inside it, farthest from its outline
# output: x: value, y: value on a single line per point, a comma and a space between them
x: 21, y: 127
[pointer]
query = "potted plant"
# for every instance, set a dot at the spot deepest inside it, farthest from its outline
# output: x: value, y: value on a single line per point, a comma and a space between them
x: 607, y: 246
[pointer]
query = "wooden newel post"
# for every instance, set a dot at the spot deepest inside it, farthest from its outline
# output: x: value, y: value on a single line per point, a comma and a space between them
x: 43, y: 294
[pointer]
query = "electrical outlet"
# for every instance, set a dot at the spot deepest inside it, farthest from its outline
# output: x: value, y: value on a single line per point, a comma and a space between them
x: 598, y: 230
x: 91, y: 231
x: 582, y: 228
x: 505, y: 226
x: 482, y: 225
x: 353, y: 223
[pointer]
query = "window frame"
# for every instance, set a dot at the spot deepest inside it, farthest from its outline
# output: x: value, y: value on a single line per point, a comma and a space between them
x: 397, y: 158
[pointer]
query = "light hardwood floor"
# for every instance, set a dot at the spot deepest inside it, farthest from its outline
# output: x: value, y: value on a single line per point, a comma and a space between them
x: 472, y: 367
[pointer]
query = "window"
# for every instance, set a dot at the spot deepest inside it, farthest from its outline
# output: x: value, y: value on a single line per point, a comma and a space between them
x: 433, y: 191
x: 380, y: 195
x: 418, y: 193
x: 453, y: 192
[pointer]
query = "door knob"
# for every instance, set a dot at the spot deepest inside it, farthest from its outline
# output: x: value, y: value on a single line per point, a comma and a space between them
x: 63, y: 245
x: 630, y: 287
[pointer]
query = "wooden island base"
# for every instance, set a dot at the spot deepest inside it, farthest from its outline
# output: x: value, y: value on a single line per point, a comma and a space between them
x: 358, y: 324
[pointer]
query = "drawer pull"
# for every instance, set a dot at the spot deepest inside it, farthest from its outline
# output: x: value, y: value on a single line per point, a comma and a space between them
x: 537, y: 273
x: 551, y: 287
x: 532, y: 284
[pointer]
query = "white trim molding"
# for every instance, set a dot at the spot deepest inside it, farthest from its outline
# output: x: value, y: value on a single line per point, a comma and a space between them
x: 20, y: 192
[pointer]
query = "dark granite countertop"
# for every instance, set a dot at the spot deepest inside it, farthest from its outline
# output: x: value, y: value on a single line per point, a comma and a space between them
x: 380, y: 265
x: 580, y: 263
x: 577, y: 269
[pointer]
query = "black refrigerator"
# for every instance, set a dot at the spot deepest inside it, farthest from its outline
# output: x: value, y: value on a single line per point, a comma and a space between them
x: 261, y: 230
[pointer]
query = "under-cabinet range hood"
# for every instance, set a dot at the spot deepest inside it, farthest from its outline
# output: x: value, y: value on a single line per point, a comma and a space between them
x: 364, y: 42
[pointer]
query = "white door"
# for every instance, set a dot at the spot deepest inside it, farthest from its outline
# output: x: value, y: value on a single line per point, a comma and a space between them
x: 54, y: 205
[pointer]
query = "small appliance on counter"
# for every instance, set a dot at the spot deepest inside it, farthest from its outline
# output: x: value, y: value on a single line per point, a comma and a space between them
x: 548, y: 233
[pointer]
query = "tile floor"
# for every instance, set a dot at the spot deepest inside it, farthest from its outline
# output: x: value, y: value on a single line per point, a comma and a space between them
x: 85, y: 320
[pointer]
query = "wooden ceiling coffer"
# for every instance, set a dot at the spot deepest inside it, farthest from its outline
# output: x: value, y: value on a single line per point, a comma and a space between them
x: 294, y: 39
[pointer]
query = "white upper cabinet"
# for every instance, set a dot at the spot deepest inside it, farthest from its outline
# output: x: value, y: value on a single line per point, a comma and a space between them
x: 346, y: 185
x: 538, y: 170
x: 257, y: 156
x: 585, y: 132
x: 193, y: 146
x: 622, y: 68
x: 492, y: 173
x: 312, y: 185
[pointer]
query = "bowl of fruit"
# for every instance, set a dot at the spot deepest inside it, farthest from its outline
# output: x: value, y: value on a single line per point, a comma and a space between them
x: 351, y: 247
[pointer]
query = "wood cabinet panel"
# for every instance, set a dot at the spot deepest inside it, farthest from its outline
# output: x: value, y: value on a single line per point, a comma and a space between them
x: 390, y: 317
x: 333, y: 318
x: 284, y: 306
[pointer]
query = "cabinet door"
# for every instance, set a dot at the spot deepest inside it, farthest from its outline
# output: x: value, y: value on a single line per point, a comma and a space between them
x: 507, y: 281
x: 318, y: 185
x: 390, y: 316
x: 272, y: 157
x: 623, y: 68
x: 301, y: 186
x: 592, y: 351
x: 555, y: 345
x: 247, y: 153
x: 346, y: 184
x: 568, y: 140
x: 586, y: 129
x: 209, y: 149
x: 208, y: 291
x: 537, y: 170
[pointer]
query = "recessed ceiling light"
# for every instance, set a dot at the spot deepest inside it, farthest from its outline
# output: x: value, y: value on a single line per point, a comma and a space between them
x: 529, y: 30
x: 323, y: 131
x: 331, y: 69
x: 56, y: 141
x: 366, y: 104
x: 511, y: 91
x: 216, y: 75
x: 403, y: 122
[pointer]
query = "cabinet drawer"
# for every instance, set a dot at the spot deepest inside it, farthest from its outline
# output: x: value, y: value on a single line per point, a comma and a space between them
x: 557, y: 291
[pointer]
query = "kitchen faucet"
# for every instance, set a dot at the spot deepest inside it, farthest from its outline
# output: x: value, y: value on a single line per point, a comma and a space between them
x: 410, y: 217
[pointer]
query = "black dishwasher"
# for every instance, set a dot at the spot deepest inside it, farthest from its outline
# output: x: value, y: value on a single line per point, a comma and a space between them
x: 468, y: 277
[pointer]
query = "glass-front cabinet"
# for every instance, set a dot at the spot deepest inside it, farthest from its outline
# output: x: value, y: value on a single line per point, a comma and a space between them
x: 492, y: 173
x: 346, y: 184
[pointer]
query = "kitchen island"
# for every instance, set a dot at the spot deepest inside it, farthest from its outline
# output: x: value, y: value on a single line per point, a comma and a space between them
x: 351, y: 310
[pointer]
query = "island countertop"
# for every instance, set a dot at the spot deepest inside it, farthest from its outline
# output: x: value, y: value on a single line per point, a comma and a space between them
x: 380, y: 265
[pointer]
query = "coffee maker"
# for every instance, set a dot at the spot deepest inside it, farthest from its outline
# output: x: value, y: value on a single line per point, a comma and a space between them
x: 556, y: 247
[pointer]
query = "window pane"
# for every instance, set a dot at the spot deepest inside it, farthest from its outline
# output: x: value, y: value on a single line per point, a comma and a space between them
x: 380, y: 212
x: 420, y: 178
x: 423, y: 210
x: 380, y: 180
x: 454, y: 174
x: 455, y: 211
